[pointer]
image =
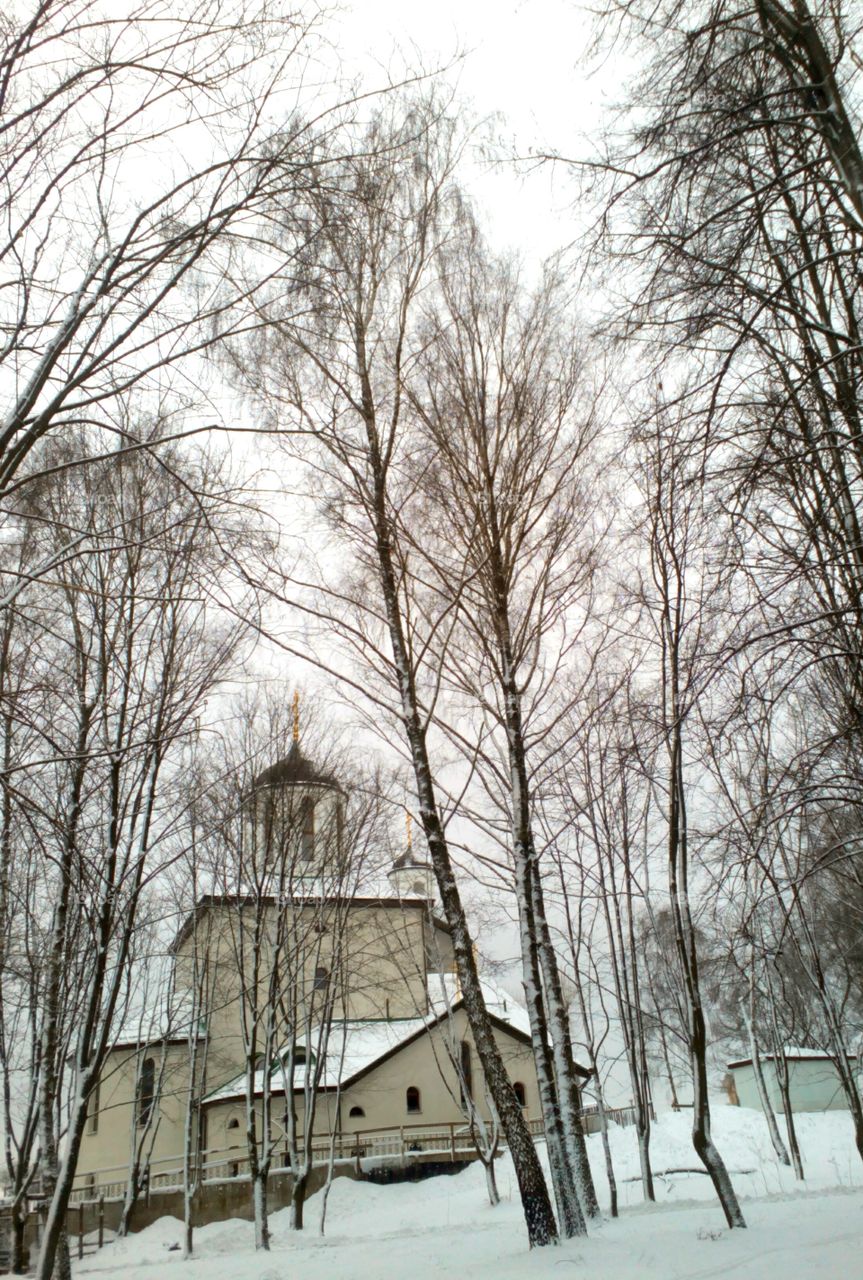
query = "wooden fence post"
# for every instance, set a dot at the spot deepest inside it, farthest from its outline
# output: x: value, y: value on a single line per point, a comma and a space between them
x: 80, y: 1229
x: 452, y: 1142
x: 101, y: 1220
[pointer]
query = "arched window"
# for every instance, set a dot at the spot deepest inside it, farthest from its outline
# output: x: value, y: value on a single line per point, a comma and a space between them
x: 233, y: 1123
x: 520, y: 1095
x: 322, y: 975
x: 356, y: 1112
x: 146, y: 1091
x: 307, y: 830
x: 412, y: 1098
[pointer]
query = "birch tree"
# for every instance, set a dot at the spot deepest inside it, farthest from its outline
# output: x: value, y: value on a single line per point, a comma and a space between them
x: 129, y: 649
x: 506, y: 424
x: 604, y: 791
x: 682, y: 595
x: 337, y: 375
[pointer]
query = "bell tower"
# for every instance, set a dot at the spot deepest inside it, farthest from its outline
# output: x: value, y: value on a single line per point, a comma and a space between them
x: 296, y: 811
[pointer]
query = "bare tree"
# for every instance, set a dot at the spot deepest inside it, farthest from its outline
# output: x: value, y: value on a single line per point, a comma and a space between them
x: 682, y: 597
x: 21, y: 917
x: 133, y: 147
x: 128, y: 650
x: 604, y: 791
x: 339, y: 371
x: 293, y: 843
x: 506, y: 540
x: 739, y: 195
x: 781, y: 837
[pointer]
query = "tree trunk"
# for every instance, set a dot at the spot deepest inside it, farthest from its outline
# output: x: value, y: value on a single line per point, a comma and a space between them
x: 760, y: 1083
x: 569, y: 1089
x: 491, y: 1183
x: 298, y: 1198
x: 536, y: 1206
x: 574, y: 1189
x: 17, y: 1227
x: 684, y: 934
x: 566, y: 1196
x: 781, y: 1067
x: 606, y: 1151
x: 701, y: 1136
x: 796, y: 43
x: 54, y: 1263
x: 262, y: 1217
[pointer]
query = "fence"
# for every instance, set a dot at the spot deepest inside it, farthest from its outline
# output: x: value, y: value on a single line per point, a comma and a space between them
x: 96, y: 1202
x: 396, y: 1143
x: 591, y: 1119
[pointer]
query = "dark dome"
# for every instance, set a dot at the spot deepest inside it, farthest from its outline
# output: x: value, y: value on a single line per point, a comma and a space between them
x: 408, y: 859
x: 294, y: 769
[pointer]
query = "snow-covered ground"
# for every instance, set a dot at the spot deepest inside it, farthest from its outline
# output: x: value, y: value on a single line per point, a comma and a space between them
x: 444, y: 1227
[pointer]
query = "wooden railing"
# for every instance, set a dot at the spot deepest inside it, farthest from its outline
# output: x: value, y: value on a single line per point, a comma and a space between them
x: 395, y: 1143
x: 623, y: 1116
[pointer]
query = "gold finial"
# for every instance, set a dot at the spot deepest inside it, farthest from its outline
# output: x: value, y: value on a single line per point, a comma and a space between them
x: 296, y: 715
x: 408, y: 826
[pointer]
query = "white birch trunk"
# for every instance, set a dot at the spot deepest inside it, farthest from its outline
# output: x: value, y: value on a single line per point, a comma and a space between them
x: 760, y: 1083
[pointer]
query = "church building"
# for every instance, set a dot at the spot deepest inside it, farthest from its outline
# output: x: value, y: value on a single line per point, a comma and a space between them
x: 301, y: 991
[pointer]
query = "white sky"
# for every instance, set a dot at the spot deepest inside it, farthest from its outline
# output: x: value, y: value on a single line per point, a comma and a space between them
x: 524, y: 62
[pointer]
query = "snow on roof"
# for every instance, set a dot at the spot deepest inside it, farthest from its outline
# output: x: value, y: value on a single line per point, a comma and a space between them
x: 156, y: 1012
x: 791, y: 1051
x: 444, y: 989
x: 357, y: 1044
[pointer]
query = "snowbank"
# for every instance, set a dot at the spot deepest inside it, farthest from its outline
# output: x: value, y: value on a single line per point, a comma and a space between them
x: 444, y: 1227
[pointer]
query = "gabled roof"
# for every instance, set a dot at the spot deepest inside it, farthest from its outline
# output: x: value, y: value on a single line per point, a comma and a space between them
x: 357, y: 1046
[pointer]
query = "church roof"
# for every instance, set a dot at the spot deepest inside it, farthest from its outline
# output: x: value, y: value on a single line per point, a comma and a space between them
x: 355, y: 1046
x: 294, y: 768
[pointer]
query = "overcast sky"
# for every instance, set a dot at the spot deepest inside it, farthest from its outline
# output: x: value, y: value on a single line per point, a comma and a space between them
x: 522, y: 60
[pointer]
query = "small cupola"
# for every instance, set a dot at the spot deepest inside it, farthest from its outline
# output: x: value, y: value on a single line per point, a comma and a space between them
x: 410, y: 875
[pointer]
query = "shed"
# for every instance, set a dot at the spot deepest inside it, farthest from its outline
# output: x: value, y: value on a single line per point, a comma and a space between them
x: 814, y: 1083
